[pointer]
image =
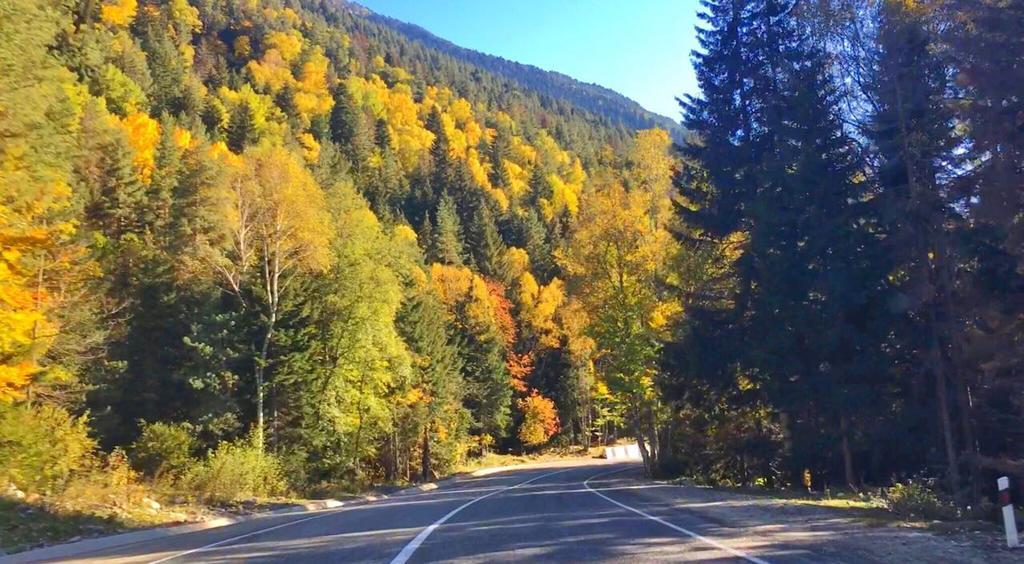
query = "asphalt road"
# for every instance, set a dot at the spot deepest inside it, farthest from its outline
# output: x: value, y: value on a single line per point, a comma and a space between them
x: 572, y: 512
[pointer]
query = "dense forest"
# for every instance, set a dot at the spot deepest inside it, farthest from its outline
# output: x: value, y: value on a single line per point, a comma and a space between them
x: 615, y: 107
x: 858, y: 163
x: 283, y: 235
x: 248, y: 229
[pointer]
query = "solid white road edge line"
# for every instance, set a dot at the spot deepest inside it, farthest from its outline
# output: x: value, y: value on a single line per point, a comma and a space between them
x: 204, y: 548
x: 687, y: 532
x: 415, y: 543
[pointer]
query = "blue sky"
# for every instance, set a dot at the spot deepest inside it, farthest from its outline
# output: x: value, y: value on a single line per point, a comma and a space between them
x: 640, y: 48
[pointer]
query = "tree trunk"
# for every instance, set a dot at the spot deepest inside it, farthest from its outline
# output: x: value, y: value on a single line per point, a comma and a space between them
x: 970, y: 448
x: 638, y: 431
x: 425, y: 463
x: 652, y: 435
x: 952, y: 470
x: 260, y: 367
x: 851, y: 477
x: 644, y: 453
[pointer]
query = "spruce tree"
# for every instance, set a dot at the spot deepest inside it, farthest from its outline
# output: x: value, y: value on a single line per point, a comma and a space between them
x: 442, y: 166
x: 912, y: 131
x: 382, y: 134
x: 986, y: 47
x: 486, y: 244
x: 241, y: 129
x: 441, y: 426
x: 166, y: 69
x: 533, y: 237
x: 447, y: 246
x: 166, y: 171
x: 784, y: 172
x: 498, y: 151
x: 488, y: 385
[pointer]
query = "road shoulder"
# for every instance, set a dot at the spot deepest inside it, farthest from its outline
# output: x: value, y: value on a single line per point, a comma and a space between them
x: 766, y: 526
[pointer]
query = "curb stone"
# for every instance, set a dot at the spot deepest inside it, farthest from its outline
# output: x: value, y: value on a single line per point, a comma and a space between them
x: 80, y: 547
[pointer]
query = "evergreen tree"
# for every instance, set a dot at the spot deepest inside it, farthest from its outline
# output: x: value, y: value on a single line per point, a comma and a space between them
x: 488, y: 393
x: 447, y: 246
x: 166, y: 69
x: 985, y: 46
x: 441, y: 424
x: 784, y: 174
x: 443, y: 173
x: 486, y: 244
x: 912, y: 129
x: 498, y: 152
x: 533, y: 237
x: 214, y: 117
x: 164, y: 184
x: 345, y: 117
x: 115, y: 195
x: 241, y: 129
x: 382, y: 135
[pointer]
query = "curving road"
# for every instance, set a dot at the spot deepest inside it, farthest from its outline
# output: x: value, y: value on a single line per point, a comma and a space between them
x: 568, y: 512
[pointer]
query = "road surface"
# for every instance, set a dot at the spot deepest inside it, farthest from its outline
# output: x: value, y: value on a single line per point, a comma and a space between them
x: 563, y: 512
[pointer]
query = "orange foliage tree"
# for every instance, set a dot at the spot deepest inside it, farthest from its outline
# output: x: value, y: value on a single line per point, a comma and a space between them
x: 540, y: 419
x: 520, y: 365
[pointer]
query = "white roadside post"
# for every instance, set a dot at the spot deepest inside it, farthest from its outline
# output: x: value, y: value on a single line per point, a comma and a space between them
x: 1009, y: 521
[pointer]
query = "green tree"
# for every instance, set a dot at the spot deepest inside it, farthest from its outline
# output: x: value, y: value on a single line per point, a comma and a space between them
x: 614, y: 258
x: 447, y: 246
x: 276, y: 224
x: 439, y: 421
x: 346, y: 354
x: 241, y: 128
x: 487, y: 246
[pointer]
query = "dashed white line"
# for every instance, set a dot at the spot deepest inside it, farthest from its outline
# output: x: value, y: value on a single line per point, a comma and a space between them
x: 415, y: 543
x: 687, y: 532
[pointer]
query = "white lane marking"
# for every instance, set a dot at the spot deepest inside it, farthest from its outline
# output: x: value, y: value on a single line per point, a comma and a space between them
x: 204, y: 548
x: 415, y: 543
x: 689, y: 533
x: 323, y: 513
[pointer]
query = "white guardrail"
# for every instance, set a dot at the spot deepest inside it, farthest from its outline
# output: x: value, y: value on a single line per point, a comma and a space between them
x: 622, y: 452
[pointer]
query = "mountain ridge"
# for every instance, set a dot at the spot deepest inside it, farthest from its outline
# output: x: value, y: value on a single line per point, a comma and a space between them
x: 587, y: 96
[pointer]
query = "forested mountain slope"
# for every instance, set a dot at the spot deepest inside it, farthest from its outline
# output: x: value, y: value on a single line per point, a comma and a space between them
x: 279, y: 230
x: 591, y: 97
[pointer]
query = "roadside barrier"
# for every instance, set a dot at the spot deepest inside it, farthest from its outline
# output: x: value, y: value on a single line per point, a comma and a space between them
x: 622, y: 452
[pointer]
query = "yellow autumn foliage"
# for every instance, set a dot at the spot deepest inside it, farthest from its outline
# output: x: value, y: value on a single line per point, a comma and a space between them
x: 119, y: 13
x: 143, y: 136
x: 310, y: 147
x: 182, y: 138
x: 313, y: 97
x: 518, y: 261
x: 459, y: 284
x: 272, y: 72
x: 287, y: 44
x: 528, y: 290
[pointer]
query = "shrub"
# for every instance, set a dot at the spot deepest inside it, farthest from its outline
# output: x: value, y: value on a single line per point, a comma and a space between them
x: 164, y: 450
x: 918, y: 499
x: 41, y: 446
x: 110, y: 482
x: 237, y: 470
